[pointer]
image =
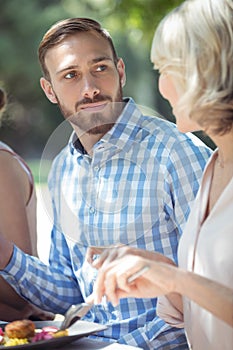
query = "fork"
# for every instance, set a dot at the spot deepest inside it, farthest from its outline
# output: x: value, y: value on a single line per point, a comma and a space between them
x: 75, y: 313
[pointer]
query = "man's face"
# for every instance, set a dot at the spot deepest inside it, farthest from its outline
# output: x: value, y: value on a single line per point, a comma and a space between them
x: 85, y: 82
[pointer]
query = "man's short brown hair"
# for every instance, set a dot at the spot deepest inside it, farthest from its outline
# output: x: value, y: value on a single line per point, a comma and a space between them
x: 63, y: 29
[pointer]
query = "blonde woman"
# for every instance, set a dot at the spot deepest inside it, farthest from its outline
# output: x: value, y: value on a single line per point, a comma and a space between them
x: 193, y: 50
x: 17, y: 223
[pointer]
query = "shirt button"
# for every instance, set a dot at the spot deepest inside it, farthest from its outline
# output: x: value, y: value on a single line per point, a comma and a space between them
x: 96, y: 168
x: 92, y: 210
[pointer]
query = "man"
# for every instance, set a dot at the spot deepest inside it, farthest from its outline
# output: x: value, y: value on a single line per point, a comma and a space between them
x: 123, y: 178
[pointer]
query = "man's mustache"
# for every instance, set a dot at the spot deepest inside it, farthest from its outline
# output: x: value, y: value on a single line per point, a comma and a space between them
x: 88, y: 100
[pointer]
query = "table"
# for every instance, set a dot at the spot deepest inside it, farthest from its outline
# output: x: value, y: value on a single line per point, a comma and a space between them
x: 89, y: 344
x: 86, y: 343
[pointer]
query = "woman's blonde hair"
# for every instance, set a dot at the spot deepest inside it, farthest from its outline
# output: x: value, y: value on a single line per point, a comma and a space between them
x: 194, y: 43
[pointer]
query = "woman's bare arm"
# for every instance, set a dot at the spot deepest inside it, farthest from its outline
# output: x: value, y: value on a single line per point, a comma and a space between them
x: 211, y: 295
x: 162, y: 278
x: 14, y: 195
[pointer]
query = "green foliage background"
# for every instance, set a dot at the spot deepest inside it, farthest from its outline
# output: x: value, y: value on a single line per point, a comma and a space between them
x: 30, y: 117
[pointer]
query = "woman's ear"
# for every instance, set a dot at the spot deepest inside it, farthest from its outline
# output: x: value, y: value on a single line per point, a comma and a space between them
x: 48, y: 90
x: 121, y: 70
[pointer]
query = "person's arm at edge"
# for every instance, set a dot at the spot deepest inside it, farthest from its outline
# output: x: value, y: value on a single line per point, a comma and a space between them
x: 212, y: 296
x: 6, y: 251
x: 165, y: 279
x: 14, y: 196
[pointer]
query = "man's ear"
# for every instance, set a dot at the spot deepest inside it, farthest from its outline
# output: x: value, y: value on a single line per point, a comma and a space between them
x: 48, y: 90
x: 121, y: 70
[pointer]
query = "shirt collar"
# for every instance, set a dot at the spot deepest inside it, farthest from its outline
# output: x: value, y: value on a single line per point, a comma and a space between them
x: 75, y: 145
x: 124, y: 132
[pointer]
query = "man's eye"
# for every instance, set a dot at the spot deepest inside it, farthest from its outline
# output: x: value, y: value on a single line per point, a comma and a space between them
x: 70, y: 75
x: 101, y: 68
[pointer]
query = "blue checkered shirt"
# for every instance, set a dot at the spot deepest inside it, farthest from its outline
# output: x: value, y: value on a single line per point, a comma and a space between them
x: 135, y: 189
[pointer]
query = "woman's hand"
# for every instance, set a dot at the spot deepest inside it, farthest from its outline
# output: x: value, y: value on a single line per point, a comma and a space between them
x: 92, y: 252
x: 109, y: 254
x: 119, y: 264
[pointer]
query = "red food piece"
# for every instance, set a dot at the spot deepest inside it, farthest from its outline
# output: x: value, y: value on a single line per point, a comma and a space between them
x: 43, y: 335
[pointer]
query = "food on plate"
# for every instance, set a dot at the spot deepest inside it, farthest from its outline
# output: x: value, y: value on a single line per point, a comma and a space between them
x: 24, y: 332
x: 15, y: 341
x: 20, y: 329
x: 61, y: 333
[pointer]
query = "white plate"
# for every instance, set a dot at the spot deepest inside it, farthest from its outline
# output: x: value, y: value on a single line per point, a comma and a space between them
x: 78, y: 330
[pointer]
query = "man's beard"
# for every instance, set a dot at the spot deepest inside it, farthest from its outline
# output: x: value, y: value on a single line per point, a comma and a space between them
x: 94, y: 123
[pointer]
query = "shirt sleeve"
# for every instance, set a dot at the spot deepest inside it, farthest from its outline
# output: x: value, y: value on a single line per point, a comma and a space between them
x: 52, y: 287
x: 169, y: 313
x: 156, y: 334
x: 184, y: 169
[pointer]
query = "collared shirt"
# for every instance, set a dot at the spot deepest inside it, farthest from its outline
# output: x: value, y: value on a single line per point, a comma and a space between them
x: 135, y: 189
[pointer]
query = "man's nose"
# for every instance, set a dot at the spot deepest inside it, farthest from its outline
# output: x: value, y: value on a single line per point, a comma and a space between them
x: 90, y: 89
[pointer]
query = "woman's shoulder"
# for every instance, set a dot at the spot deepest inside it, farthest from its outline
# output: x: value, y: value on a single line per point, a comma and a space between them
x: 14, y: 173
x: 5, y: 147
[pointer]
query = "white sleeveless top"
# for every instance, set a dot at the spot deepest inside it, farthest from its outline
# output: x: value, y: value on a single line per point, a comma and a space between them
x: 31, y: 205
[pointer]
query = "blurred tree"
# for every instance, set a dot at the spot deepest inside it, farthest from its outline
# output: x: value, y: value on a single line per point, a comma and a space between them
x: 22, y: 24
